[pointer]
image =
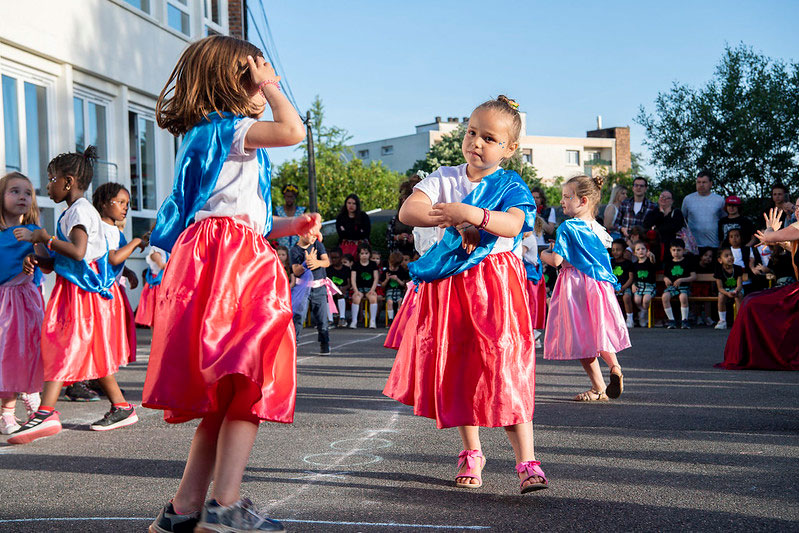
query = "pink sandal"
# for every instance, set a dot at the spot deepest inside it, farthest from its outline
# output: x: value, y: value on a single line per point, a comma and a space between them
x: 532, y: 469
x: 470, y: 458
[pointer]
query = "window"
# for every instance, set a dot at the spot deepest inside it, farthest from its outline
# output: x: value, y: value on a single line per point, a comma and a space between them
x: 572, y: 157
x: 27, y: 147
x: 591, y: 156
x: 527, y: 155
x: 387, y: 150
x: 213, y: 16
x: 177, y: 16
x: 143, y: 5
x: 91, y: 129
x: 363, y: 154
x: 143, y: 197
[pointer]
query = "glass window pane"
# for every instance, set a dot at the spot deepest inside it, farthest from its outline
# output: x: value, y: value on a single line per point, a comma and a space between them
x: 147, y: 145
x: 97, y: 133
x: 37, y: 142
x: 141, y: 225
x: 11, y: 124
x: 133, y: 135
x: 216, y: 14
x: 177, y: 19
x: 80, y: 130
x: 144, y: 5
x: 47, y: 219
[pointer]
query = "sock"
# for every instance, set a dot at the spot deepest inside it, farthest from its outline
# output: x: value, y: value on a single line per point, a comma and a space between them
x: 629, y: 316
x: 372, y: 314
x: 342, y: 308
x: 354, y: 308
x: 8, y: 410
x: 537, y: 334
x: 669, y: 313
x: 684, y: 312
x: 122, y: 405
x: 391, y: 314
x: 723, y: 316
x: 45, y: 409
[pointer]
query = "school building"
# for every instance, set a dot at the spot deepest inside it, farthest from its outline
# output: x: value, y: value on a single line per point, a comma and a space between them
x: 602, y: 149
x: 85, y: 72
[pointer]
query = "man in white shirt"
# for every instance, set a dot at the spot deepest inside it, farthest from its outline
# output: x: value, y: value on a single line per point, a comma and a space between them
x: 703, y: 210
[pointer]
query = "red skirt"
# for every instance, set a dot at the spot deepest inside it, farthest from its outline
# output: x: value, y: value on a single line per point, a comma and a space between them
x: 471, y: 360
x: 130, y: 324
x: 537, y: 295
x: 765, y: 334
x: 395, y: 332
x: 224, y: 308
x: 84, y: 336
x: 146, y: 310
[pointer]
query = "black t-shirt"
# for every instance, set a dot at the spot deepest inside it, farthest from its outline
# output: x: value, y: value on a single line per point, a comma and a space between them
x: 676, y: 270
x: 339, y: 276
x: 781, y: 265
x: 364, y: 274
x: 297, y: 257
x: 621, y: 269
x: 729, y: 280
x: 402, y: 273
x: 644, y: 272
x: 741, y: 223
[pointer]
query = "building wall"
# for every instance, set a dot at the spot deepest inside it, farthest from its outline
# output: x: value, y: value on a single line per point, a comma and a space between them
x: 115, y: 58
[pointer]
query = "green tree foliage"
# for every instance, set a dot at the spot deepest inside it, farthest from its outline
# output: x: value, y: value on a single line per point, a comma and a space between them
x: 743, y: 126
x: 338, y: 173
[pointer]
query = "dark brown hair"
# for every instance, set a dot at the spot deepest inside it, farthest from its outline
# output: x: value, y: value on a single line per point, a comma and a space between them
x: 78, y: 165
x: 509, y: 107
x: 32, y: 216
x: 212, y: 74
x: 105, y: 193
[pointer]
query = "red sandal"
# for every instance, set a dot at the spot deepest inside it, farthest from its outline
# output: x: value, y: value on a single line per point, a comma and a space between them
x: 470, y: 458
x: 532, y: 469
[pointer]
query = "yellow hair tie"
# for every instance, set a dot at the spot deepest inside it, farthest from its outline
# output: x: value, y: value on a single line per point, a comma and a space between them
x: 513, y: 104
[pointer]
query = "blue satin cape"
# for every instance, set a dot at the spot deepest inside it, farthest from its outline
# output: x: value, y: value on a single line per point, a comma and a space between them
x: 117, y: 269
x: 577, y: 243
x: 81, y: 274
x: 496, y: 192
x: 534, y: 272
x: 151, y: 280
x: 13, y: 253
x: 199, y: 161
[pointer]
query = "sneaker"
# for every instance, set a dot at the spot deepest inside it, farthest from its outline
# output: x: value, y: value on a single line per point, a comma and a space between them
x: 685, y: 324
x: 239, y: 517
x: 708, y: 321
x: 32, y: 402
x: 353, y: 325
x: 671, y: 325
x: 342, y: 322
x: 169, y: 521
x: 40, y: 425
x: 8, y: 424
x: 80, y: 392
x: 116, y: 418
x: 722, y: 324
x: 324, y: 349
x: 630, y: 324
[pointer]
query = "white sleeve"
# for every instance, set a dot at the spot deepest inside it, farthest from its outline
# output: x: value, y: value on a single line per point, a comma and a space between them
x: 552, y: 215
x: 431, y: 186
x: 80, y: 214
x: 240, y: 132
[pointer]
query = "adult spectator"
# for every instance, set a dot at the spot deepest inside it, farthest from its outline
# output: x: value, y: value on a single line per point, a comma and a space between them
x: 780, y: 200
x: 765, y: 334
x: 399, y: 236
x: 665, y: 221
x: 289, y: 209
x: 633, y: 210
x: 352, y: 225
x: 735, y: 220
x: 617, y: 195
x: 547, y: 214
x: 702, y: 210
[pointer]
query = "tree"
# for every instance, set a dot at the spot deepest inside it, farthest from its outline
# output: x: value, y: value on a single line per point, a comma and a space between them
x: 743, y: 126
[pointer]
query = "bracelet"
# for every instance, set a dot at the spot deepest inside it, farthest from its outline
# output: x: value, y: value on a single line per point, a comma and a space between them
x: 268, y: 82
x: 486, y: 218
x: 50, y: 242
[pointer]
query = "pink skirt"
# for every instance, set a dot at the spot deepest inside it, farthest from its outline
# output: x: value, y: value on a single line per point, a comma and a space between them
x: 471, y: 359
x: 130, y: 324
x: 224, y: 309
x: 537, y: 294
x: 84, y: 336
x: 395, y: 332
x: 21, y: 316
x: 584, y: 318
x: 146, y: 310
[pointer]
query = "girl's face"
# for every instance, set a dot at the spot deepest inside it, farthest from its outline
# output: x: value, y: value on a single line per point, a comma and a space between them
x: 487, y: 141
x: 706, y: 258
x: 622, y: 195
x: 58, y: 187
x: 351, y: 205
x: 18, y: 198
x: 364, y: 256
x: 569, y: 201
x: 617, y: 250
x: 117, y: 208
x: 376, y: 257
x: 283, y: 256
x: 734, y: 236
x: 640, y: 251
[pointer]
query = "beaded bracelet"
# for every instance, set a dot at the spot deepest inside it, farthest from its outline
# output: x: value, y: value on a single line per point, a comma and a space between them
x: 268, y: 82
x: 486, y: 218
x: 50, y: 242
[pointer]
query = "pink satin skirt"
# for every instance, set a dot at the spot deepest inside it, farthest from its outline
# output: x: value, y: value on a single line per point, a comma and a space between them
x: 21, y: 316
x: 146, y: 310
x: 84, y: 336
x: 584, y: 318
x: 130, y: 324
x: 467, y: 357
x: 395, y: 332
x: 537, y: 295
x: 224, y: 308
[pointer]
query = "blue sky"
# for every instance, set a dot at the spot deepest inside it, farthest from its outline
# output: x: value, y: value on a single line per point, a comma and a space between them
x: 383, y: 67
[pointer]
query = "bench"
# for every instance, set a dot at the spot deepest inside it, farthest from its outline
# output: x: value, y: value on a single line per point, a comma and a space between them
x: 700, y: 278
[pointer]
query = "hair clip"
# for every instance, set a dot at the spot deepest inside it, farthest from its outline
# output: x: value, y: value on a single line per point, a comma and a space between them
x: 513, y: 104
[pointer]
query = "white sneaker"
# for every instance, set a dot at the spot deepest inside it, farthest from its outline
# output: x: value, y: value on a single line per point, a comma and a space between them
x: 643, y: 320
x: 538, y: 343
x: 630, y: 324
x: 353, y: 325
x: 722, y: 324
x: 372, y: 326
x: 8, y: 424
x: 32, y: 402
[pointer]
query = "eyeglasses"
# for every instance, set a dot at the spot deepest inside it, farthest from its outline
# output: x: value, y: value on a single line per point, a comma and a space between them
x: 639, y: 185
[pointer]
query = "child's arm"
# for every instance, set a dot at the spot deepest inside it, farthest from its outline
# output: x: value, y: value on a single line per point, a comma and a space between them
x: 739, y: 285
x: 352, y: 279
x: 628, y: 283
x: 131, y: 277
x: 76, y: 249
x: 551, y: 258
x: 375, y: 278
x: 297, y: 269
x: 120, y: 255
x: 500, y: 223
x: 285, y: 226
x: 285, y: 128
x: 686, y: 279
x: 31, y: 261
x: 158, y: 260
x: 324, y: 261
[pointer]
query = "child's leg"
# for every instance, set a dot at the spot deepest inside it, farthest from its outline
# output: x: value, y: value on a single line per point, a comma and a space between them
x: 236, y: 438
x: 684, y: 309
x: 666, y: 299
x: 628, y: 303
x: 521, y: 439
x: 50, y: 393
x: 111, y: 388
x: 319, y: 313
x: 390, y: 308
x: 591, y: 367
x: 372, y: 310
x: 470, y: 436
x: 9, y: 403
x: 193, y: 487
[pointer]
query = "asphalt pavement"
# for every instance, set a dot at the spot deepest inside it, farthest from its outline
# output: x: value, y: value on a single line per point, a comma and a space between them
x: 686, y: 447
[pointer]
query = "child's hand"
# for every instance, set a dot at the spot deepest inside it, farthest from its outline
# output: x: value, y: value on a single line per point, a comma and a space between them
x: 634, y: 287
x: 446, y: 215
x: 133, y: 281
x: 311, y: 260
x: 470, y: 236
x: 676, y: 283
x: 145, y: 240
x: 24, y: 234
x: 261, y: 71
x: 650, y: 256
x: 29, y: 263
x: 310, y: 223
x: 667, y: 282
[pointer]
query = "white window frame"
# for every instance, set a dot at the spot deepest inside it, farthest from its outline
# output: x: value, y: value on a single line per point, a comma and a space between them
x: 363, y: 154
x: 186, y: 9
x: 387, y: 150
x: 95, y: 98
x: 577, y: 164
x: 145, y: 11
x: 143, y: 112
x: 208, y: 22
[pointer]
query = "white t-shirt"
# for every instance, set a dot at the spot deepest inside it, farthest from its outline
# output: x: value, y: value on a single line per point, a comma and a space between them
x: 154, y: 268
x: 111, y: 233
x: 450, y: 184
x: 83, y: 213
x: 601, y: 232
x: 738, y: 256
x: 530, y: 247
x: 237, y: 193
x: 552, y: 218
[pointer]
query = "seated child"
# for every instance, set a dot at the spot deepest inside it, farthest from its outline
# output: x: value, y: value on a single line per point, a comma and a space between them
x: 748, y: 259
x: 395, y: 278
x: 644, y: 274
x: 621, y: 269
x: 339, y: 274
x: 729, y: 281
x: 637, y: 234
x: 678, y: 273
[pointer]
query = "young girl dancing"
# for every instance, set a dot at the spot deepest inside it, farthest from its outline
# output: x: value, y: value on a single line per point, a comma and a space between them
x: 223, y: 346
x: 584, y: 317
x: 20, y: 301
x: 156, y: 263
x: 471, y: 361
x: 77, y: 350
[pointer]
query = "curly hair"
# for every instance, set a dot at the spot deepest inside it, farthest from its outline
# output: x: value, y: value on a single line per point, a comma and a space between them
x: 78, y: 165
x: 105, y: 193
